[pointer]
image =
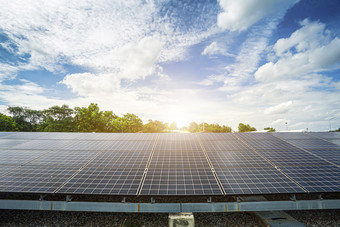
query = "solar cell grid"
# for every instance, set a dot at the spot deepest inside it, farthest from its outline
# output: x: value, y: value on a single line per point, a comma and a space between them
x: 272, y: 144
x: 326, y: 135
x: 6, y: 168
x: 179, y: 173
x: 177, y: 136
x: 5, y: 134
x: 64, y: 158
x: 26, y: 135
x: 85, y: 145
x: 231, y: 145
x: 313, y: 144
x: 180, y: 182
x: 316, y: 179
x: 165, y: 145
x: 236, y: 159
x: 256, y: 136
x: 292, y: 158
x: 293, y: 135
x: 328, y: 154
x: 59, y: 136
x: 18, y: 157
x: 130, y: 145
x: 97, y: 136
x: 121, y: 160
x: 36, y: 179
x: 41, y: 145
x: 9, y: 143
x: 136, y: 136
x: 178, y: 159
x: 216, y: 136
x: 237, y: 181
x: 104, y: 181
x: 335, y: 141
x: 110, y: 173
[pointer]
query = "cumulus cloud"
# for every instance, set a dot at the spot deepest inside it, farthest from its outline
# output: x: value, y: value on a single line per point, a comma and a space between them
x: 309, y: 49
x: 240, y: 15
x: 88, y: 84
x: 279, y: 109
x: 139, y: 59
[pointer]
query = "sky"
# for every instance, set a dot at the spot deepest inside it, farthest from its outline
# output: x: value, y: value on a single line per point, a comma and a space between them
x: 267, y: 63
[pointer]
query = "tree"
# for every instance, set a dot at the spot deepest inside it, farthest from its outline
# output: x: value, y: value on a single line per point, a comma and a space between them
x: 269, y: 129
x: 58, y: 119
x: 89, y: 119
x: 7, y: 123
x: 245, y: 128
x: 193, y: 127
x: 26, y: 119
x: 173, y: 126
x: 154, y: 127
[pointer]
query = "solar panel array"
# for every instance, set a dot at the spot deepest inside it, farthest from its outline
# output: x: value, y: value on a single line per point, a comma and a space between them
x: 169, y: 163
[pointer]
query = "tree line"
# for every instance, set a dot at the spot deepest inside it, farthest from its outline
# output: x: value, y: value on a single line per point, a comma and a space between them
x: 92, y: 119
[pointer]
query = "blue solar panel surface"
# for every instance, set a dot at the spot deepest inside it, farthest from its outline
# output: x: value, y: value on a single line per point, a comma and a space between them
x: 169, y: 163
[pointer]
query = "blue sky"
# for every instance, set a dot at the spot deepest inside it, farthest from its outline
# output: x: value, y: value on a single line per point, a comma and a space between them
x: 262, y: 62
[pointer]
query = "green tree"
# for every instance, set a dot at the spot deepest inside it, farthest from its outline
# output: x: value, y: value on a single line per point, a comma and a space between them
x: 154, y: 127
x: 193, y: 127
x: 7, y: 123
x: 89, y: 119
x: 245, y: 128
x: 58, y: 119
x: 173, y: 126
x: 26, y: 119
x: 269, y: 129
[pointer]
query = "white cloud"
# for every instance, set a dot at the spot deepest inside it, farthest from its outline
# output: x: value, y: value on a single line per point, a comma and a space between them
x: 88, y: 84
x: 240, y: 15
x: 307, y: 50
x: 126, y: 37
x: 139, y: 60
x: 279, y: 109
x: 215, y: 49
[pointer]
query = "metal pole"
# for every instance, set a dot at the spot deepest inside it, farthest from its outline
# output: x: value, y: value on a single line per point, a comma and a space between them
x: 330, y: 125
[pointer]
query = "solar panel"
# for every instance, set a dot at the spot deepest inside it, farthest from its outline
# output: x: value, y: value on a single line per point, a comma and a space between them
x: 36, y: 179
x: 26, y: 135
x: 316, y: 178
x: 4, y: 169
x: 8, y: 143
x: 64, y: 158
x: 255, y: 136
x: 130, y: 145
x: 217, y: 136
x: 293, y: 135
x: 294, y: 157
x: 181, y: 164
x: 220, y: 145
x: 314, y: 144
x: 240, y: 181
x: 236, y: 159
x: 60, y: 136
x: 110, y: 173
x: 169, y: 145
x: 177, y: 136
x: 328, y: 154
x: 326, y: 135
x: 180, y: 173
x: 84, y: 145
x: 18, y: 157
x: 270, y: 144
x: 41, y: 144
x: 5, y: 134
